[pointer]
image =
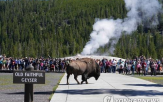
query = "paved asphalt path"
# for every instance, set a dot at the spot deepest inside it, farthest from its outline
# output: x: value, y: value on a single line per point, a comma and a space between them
x: 10, y: 92
x: 108, y: 86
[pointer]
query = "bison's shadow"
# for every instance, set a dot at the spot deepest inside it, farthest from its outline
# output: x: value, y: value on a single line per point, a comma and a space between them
x: 123, y: 92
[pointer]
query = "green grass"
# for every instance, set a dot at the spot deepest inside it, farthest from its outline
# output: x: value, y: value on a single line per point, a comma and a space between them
x: 155, y: 79
x: 55, y: 87
x: 6, y: 83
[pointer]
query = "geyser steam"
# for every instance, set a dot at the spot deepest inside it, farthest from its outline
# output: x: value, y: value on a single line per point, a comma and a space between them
x: 139, y: 12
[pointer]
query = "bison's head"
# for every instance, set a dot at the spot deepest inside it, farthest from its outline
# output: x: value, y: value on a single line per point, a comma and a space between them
x: 97, y: 75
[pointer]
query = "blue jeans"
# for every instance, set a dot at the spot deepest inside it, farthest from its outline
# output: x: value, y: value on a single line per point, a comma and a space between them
x: 113, y: 69
x: 145, y: 71
x: 133, y: 70
x: 102, y: 69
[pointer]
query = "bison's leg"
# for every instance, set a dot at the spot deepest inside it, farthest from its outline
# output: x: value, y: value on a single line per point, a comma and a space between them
x: 75, y: 77
x: 86, y: 82
x: 84, y: 78
x: 68, y: 75
x: 82, y: 82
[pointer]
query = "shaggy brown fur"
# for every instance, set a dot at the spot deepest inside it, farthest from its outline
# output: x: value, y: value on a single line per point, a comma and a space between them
x: 86, y: 67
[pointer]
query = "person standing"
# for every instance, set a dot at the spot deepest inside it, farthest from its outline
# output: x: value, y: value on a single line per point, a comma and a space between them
x: 8, y: 63
x: 159, y: 65
x: 152, y: 67
x: 125, y: 67
x: 16, y: 64
x: 56, y: 63
x: 114, y: 62
x: 1, y: 63
x: 118, y: 66
x: 133, y: 66
x: 34, y: 64
x: 52, y: 68
x: 147, y: 67
x: 26, y: 60
x: 155, y: 68
x: 128, y: 67
x: 101, y: 66
x: 60, y: 65
x: 121, y: 67
x: 104, y: 64
x: 4, y: 63
x: 144, y: 67
x: 13, y: 64
x: 138, y: 68
x: 22, y: 64
x: 46, y: 66
x: 63, y: 65
x: 107, y: 66
x: 19, y: 64
x: 110, y: 66
x: 42, y: 65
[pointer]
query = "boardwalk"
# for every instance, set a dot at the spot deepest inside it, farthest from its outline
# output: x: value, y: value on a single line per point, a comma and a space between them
x: 118, y: 86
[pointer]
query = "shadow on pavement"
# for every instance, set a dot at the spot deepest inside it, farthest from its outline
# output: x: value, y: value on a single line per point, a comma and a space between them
x: 146, y: 85
x: 69, y: 84
x: 39, y: 93
x: 75, y: 84
x: 122, y: 92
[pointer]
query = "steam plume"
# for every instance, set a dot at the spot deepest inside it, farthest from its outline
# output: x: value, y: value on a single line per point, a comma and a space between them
x: 139, y: 12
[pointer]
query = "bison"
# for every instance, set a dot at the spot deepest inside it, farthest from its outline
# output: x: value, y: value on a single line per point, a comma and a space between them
x: 86, y: 67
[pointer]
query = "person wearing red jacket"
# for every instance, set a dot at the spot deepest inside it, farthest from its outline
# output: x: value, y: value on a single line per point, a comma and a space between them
x: 144, y: 67
x: 101, y: 66
x: 139, y: 67
x: 108, y: 65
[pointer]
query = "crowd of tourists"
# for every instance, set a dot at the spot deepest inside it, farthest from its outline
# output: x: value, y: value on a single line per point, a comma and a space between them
x: 139, y: 65
x: 47, y: 64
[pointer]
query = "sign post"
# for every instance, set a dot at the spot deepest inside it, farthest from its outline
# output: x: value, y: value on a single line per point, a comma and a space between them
x: 29, y: 77
x: 28, y: 96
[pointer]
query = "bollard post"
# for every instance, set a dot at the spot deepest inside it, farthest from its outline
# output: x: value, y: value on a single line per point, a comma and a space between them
x: 28, y: 96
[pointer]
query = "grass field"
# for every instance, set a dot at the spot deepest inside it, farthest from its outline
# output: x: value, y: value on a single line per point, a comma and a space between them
x: 155, y: 79
x: 10, y: 92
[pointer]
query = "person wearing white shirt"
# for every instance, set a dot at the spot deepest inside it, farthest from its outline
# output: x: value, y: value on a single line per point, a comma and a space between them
x: 114, y: 62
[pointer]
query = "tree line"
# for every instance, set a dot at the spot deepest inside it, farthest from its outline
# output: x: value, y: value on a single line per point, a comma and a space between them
x: 60, y: 28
